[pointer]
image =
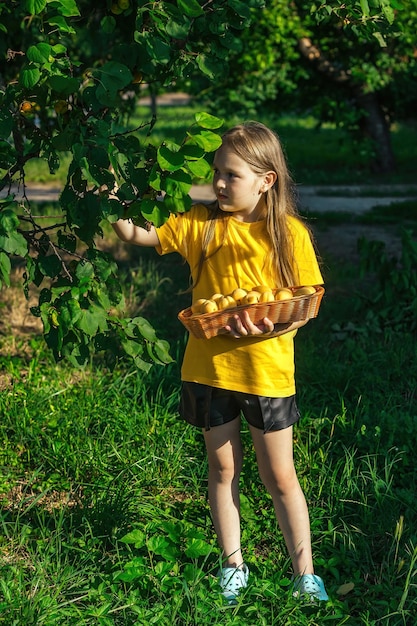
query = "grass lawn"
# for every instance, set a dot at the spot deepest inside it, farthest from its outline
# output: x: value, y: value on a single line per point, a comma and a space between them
x: 104, y: 518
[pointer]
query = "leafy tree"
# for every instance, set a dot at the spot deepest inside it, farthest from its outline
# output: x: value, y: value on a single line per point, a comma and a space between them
x: 353, y: 63
x: 69, y: 79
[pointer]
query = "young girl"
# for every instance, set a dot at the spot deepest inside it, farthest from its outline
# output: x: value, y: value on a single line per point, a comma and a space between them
x: 249, y: 236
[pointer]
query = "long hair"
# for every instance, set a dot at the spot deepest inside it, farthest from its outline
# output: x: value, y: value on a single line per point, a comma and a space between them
x: 261, y: 149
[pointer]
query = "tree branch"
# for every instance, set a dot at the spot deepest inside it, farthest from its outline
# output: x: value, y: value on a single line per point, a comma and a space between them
x: 313, y: 54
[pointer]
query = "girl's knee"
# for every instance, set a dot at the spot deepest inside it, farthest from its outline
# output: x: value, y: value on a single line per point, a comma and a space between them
x: 226, y: 472
x: 283, y: 482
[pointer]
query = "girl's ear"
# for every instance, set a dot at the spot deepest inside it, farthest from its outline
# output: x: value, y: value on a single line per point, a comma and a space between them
x: 269, y: 180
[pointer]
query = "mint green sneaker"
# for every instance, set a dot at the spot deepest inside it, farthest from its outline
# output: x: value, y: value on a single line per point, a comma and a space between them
x: 310, y: 585
x: 232, y: 580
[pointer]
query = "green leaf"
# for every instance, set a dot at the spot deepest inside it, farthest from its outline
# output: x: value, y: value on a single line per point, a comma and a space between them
x: 162, y: 351
x: 61, y: 24
x: 158, y: 50
x: 145, y: 329
x: 113, y: 77
x: 5, y: 268
x: 380, y: 39
x: 14, y: 243
x: 191, y: 151
x: 135, y: 537
x: 242, y: 9
x: 200, y: 168
x: 6, y: 123
x: 169, y: 160
x: 91, y: 320
x: 68, y: 8
x: 207, y: 140
x: 29, y: 77
x: 8, y: 221
x: 108, y: 24
x: 178, y: 184
x: 154, y: 211
x: 209, y: 65
x: 35, y: 6
x: 64, y: 85
x: 163, y: 547
x: 365, y: 7
x: 206, y: 120
x: 190, y: 7
x: 178, y: 28
x: 177, y: 205
x: 197, y: 548
x: 39, y: 53
x: 50, y: 265
x: 84, y: 271
x: 68, y: 242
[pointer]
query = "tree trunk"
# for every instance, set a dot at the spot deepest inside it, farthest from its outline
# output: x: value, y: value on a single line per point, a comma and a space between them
x: 376, y: 127
x: 375, y: 124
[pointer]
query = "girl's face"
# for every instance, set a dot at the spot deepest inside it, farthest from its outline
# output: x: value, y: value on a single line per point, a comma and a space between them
x: 238, y: 188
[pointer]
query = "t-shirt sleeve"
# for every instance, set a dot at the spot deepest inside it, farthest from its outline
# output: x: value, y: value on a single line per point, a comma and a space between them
x: 177, y: 232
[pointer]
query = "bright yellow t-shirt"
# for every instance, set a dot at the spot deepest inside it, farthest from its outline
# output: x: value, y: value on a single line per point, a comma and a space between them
x: 263, y: 367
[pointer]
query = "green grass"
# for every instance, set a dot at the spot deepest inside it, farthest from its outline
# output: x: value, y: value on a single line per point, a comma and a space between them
x: 104, y: 518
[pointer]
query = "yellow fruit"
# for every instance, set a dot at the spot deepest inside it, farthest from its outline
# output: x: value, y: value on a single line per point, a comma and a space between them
x: 261, y: 288
x: 196, y: 306
x: 227, y: 302
x: 123, y: 4
x: 216, y: 296
x: 305, y: 291
x: 26, y: 106
x: 115, y: 9
x: 61, y: 106
x: 252, y: 297
x: 209, y: 307
x: 283, y: 294
x: 266, y: 296
x: 238, y: 295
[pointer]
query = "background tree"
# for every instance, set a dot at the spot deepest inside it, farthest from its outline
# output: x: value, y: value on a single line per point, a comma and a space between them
x: 351, y: 63
x: 70, y: 72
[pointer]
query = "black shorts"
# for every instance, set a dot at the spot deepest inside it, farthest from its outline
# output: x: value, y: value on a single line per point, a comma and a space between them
x: 205, y: 407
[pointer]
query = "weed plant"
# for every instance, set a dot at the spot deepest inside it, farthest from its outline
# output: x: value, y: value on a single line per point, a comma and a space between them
x: 104, y: 518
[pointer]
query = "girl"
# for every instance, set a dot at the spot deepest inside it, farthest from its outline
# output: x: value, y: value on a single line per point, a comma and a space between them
x: 249, y: 236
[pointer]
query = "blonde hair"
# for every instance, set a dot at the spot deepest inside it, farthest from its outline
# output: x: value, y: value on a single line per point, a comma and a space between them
x: 261, y: 149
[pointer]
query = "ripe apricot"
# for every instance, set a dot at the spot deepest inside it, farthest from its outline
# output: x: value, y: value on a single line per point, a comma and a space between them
x: 196, y: 306
x: 283, y: 294
x: 238, y: 295
x: 266, y: 296
x: 305, y: 291
x: 261, y: 288
x: 227, y: 302
x: 209, y: 306
x: 252, y: 297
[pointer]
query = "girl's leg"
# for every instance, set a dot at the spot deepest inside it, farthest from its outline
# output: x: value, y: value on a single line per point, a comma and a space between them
x: 224, y: 451
x: 274, y: 453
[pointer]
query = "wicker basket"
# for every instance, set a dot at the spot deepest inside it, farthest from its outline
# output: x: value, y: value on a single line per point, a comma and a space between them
x: 298, y: 308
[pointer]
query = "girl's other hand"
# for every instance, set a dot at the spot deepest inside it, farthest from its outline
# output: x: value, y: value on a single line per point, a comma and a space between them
x: 244, y: 327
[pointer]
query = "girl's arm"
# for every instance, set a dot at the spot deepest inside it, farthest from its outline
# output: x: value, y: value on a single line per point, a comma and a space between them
x: 128, y: 232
